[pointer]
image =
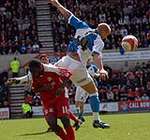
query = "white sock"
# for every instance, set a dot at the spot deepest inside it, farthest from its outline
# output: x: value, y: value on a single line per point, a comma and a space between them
x: 78, y: 109
x: 96, y: 116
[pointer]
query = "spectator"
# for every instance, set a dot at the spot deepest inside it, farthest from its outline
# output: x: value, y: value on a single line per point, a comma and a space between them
x: 22, y: 48
x: 71, y: 93
x: 63, y: 47
x: 29, y: 97
x: 35, y: 47
x: 110, y: 96
x: 102, y: 94
x: 137, y: 98
x: 36, y: 100
x: 123, y: 94
x: 115, y: 90
x: 17, y: 25
x: 148, y: 88
x: 15, y: 67
x: 4, y: 90
x: 27, y: 110
x: 145, y: 97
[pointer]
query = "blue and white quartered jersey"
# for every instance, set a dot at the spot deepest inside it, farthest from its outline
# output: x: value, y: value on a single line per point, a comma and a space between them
x: 93, y: 71
x: 95, y: 43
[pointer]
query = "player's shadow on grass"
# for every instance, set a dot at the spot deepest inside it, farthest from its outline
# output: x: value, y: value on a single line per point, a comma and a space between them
x: 36, y: 133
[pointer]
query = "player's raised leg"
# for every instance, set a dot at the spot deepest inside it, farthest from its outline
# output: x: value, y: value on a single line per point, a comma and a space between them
x: 95, y: 105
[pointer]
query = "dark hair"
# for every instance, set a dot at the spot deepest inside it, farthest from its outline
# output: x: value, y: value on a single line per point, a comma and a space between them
x: 34, y: 65
x: 43, y: 55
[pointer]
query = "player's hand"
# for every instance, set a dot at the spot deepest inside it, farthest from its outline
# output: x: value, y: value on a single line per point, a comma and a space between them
x: 103, y: 75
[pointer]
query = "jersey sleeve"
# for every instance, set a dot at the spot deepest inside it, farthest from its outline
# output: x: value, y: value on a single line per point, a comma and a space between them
x: 51, y: 68
x: 57, y: 70
x: 77, y: 23
x: 98, y: 45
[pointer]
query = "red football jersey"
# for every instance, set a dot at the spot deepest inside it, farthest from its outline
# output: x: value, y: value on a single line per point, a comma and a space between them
x: 50, y: 79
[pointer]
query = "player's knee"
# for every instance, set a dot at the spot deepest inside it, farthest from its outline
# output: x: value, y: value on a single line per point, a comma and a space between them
x: 53, y: 125
x: 66, y: 122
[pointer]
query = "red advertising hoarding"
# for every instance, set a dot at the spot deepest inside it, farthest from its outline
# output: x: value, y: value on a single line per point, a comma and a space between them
x: 134, y: 105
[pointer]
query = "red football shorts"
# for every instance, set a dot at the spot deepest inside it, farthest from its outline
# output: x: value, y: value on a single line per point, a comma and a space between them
x: 58, y: 108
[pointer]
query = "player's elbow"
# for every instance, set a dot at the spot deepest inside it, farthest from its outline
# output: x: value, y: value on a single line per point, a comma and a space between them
x: 96, y: 55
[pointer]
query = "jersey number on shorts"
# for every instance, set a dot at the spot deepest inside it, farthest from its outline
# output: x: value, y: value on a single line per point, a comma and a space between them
x: 64, y: 109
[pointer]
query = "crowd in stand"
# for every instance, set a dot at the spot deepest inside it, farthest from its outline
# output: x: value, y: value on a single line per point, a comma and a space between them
x: 124, y: 86
x: 4, y: 90
x: 18, y: 30
x: 124, y: 17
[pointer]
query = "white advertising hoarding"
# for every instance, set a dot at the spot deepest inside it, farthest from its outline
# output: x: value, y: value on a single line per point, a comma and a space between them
x: 4, y: 113
x: 128, y: 56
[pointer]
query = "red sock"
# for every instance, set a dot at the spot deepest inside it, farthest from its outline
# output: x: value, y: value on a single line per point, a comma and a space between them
x: 61, y: 134
x: 70, y: 133
x: 73, y: 117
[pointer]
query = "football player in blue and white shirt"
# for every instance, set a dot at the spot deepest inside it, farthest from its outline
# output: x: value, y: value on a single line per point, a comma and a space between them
x: 86, y: 42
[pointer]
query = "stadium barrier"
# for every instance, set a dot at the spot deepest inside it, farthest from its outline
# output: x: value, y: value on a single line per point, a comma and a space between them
x: 107, y: 107
x: 37, y: 110
x: 131, y: 106
x: 4, y: 113
x: 128, y: 56
x: 109, y: 58
x: 123, y: 106
x: 114, y: 59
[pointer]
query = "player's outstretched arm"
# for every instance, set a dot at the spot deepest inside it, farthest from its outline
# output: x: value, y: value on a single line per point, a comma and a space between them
x: 72, y: 20
x: 98, y: 61
x: 65, y: 12
x: 20, y: 80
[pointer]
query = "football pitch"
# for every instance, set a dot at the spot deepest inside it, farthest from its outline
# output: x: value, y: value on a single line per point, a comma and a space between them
x: 123, y: 127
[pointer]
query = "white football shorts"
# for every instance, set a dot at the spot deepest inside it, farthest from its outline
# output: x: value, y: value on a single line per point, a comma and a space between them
x: 81, y: 95
x: 80, y: 75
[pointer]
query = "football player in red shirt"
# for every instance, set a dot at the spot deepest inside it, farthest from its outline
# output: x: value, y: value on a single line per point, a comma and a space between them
x: 45, y: 60
x: 51, y: 88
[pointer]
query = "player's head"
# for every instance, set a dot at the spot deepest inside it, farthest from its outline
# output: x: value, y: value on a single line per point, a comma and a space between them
x: 36, y: 68
x: 104, y: 30
x: 44, y: 58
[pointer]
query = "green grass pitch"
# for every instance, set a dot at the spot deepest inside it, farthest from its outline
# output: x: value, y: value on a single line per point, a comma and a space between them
x: 123, y: 127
